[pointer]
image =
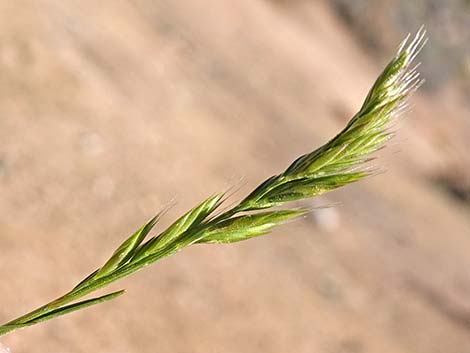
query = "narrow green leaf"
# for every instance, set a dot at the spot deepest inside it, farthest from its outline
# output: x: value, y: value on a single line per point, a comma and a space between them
x: 60, y: 311
x: 77, y: 306
x: 247, y: 226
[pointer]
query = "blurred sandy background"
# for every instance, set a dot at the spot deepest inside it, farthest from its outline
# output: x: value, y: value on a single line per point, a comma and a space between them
x: 109, y: 109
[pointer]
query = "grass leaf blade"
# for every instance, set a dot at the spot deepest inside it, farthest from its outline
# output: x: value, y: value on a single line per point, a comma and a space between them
x: 61, y: 311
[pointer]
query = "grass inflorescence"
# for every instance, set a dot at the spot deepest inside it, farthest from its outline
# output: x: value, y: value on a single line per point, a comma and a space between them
x: 341, y: 161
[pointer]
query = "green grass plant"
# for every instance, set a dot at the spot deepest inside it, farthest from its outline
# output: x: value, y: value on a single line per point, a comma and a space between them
x: 341, y: 161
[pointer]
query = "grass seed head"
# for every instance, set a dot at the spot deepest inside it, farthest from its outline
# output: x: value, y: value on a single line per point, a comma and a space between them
x: 341, y: 161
